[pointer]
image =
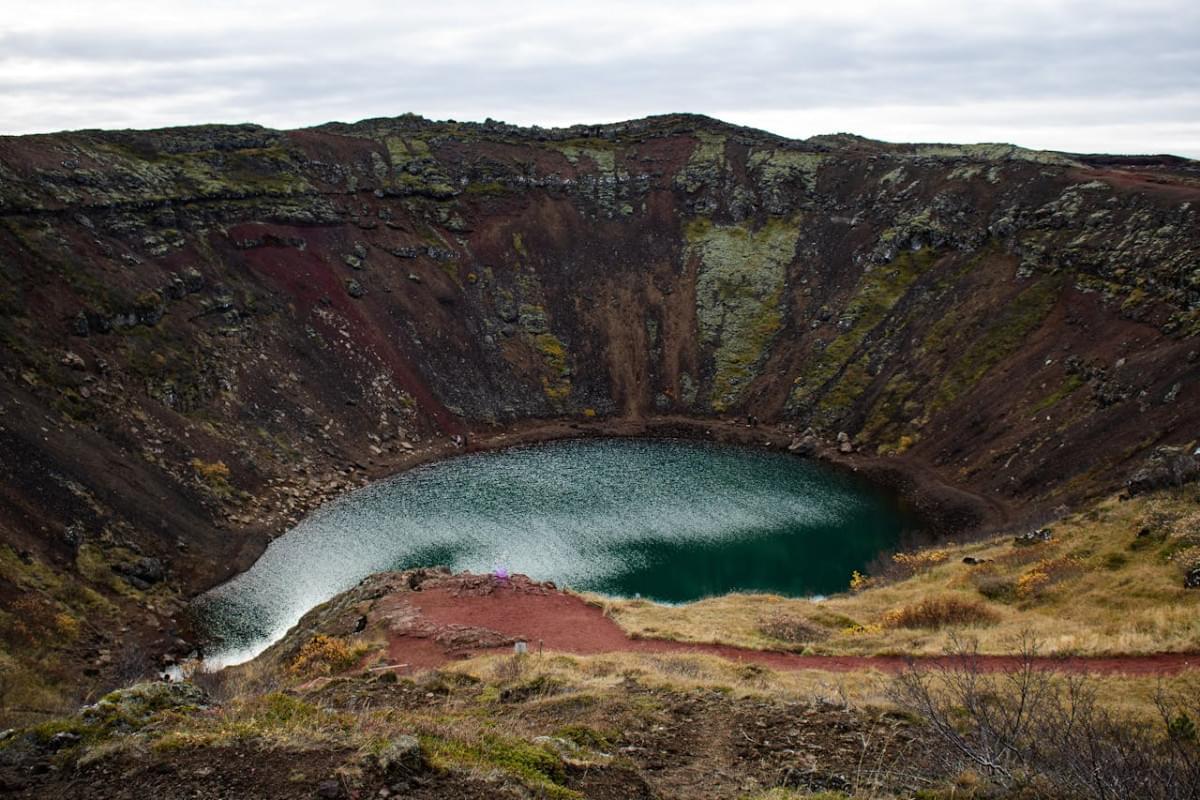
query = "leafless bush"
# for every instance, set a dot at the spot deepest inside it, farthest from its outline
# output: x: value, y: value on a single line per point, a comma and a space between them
x: 682, y: 666
x: 887, y: 753
x: 232, y: 683
x: 1032, y: 725
x: 509, y: 669
x: 133, y: 663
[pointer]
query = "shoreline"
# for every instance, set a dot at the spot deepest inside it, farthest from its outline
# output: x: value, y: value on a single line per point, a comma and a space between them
x: 938, y: 509
x: 941, y: 508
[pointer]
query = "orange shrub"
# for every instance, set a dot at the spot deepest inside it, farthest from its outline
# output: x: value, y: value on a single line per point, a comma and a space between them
x: 939, y: 612
x: 325, y: 655
x: 1045, y: 574
x: 859, y: 581
x: 920, y: 561
x: 211, y: 470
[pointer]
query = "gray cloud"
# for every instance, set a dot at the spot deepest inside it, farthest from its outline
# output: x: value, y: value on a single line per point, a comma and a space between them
x: 1080, y: 76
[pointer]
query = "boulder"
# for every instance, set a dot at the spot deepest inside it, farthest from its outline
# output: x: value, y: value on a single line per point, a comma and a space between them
x: 803, y: 445
x: 400, y: 756
x: 1166, y: 466
x: 506, y: 309
x: 72, y: 360
x: 1192, y: 579
x: 130, y: 707
x: 1033, y: 537
x: 149, y: 309
x: 63, y: 739
x: 143, y: 572
x: 193, y: 281
x: 174, y: 289
x: 355, y: 289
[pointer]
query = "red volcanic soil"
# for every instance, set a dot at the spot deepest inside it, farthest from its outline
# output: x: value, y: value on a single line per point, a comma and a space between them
x: 465, y: 615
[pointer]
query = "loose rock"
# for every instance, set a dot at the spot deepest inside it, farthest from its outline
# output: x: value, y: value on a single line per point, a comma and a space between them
x: 1033, y: 537
x: 1192, y: 579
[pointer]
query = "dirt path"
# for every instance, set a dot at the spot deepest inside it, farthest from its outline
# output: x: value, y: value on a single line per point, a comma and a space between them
x: 458, y: 621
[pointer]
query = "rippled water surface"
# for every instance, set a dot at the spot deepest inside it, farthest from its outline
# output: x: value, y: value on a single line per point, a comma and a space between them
x: 668, y: 520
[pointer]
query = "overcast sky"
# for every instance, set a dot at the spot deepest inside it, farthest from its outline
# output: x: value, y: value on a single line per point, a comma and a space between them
x: 1095, y: 76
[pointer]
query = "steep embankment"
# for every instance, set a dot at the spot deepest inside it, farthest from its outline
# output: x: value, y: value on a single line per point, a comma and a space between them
x: 208, y: 330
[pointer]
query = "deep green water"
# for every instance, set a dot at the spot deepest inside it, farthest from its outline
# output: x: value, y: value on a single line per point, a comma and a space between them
x: 667, y: 520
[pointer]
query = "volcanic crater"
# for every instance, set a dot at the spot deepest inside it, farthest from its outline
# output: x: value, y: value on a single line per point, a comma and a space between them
x: 208, y: 332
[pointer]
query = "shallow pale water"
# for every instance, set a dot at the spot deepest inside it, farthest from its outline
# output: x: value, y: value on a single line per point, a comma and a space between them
x: 667, y: 520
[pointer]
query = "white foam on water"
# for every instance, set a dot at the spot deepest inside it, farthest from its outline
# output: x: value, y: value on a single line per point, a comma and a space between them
x: 572, y: 512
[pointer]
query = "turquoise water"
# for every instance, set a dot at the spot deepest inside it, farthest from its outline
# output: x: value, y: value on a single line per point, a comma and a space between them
x: 667, y: 520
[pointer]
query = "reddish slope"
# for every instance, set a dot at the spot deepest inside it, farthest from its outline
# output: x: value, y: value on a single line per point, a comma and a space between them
x: 460, y: 616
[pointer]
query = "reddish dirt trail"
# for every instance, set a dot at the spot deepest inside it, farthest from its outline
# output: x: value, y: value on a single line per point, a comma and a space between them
x: 565, y: 623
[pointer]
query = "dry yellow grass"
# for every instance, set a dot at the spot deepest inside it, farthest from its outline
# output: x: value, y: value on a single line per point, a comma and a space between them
x: 468, y: 726
x: 1097, y: 588
x: 684, y: 672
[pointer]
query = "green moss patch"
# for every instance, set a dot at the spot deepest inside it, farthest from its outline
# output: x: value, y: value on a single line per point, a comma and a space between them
x: 534, y: 766
x: 739, y: 292
x: 869, y: 305
x: 556, y: 384
x: 1068, y: 387
x: 1019, y: 318
x: 776, y: 167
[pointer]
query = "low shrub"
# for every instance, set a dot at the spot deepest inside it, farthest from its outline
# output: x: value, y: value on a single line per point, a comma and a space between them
x: 1000, y: 588
x: 908, y: 564
x: 939, y: 612
x: 1030, y: 729
x: 1045, y: 574
x: 860, y: 582
x: 326, y: 655
x: 790, y: 629
x: 214, y: 476
x: 1114, y: 561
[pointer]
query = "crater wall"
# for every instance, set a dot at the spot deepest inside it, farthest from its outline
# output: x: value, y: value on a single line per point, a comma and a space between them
x: 205, y: 330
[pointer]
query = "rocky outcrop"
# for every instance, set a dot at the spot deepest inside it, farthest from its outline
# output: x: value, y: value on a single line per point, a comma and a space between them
x: 1167, y: 466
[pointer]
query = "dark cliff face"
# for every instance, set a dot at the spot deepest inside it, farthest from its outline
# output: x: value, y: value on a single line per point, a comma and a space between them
x: 193, y: 319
